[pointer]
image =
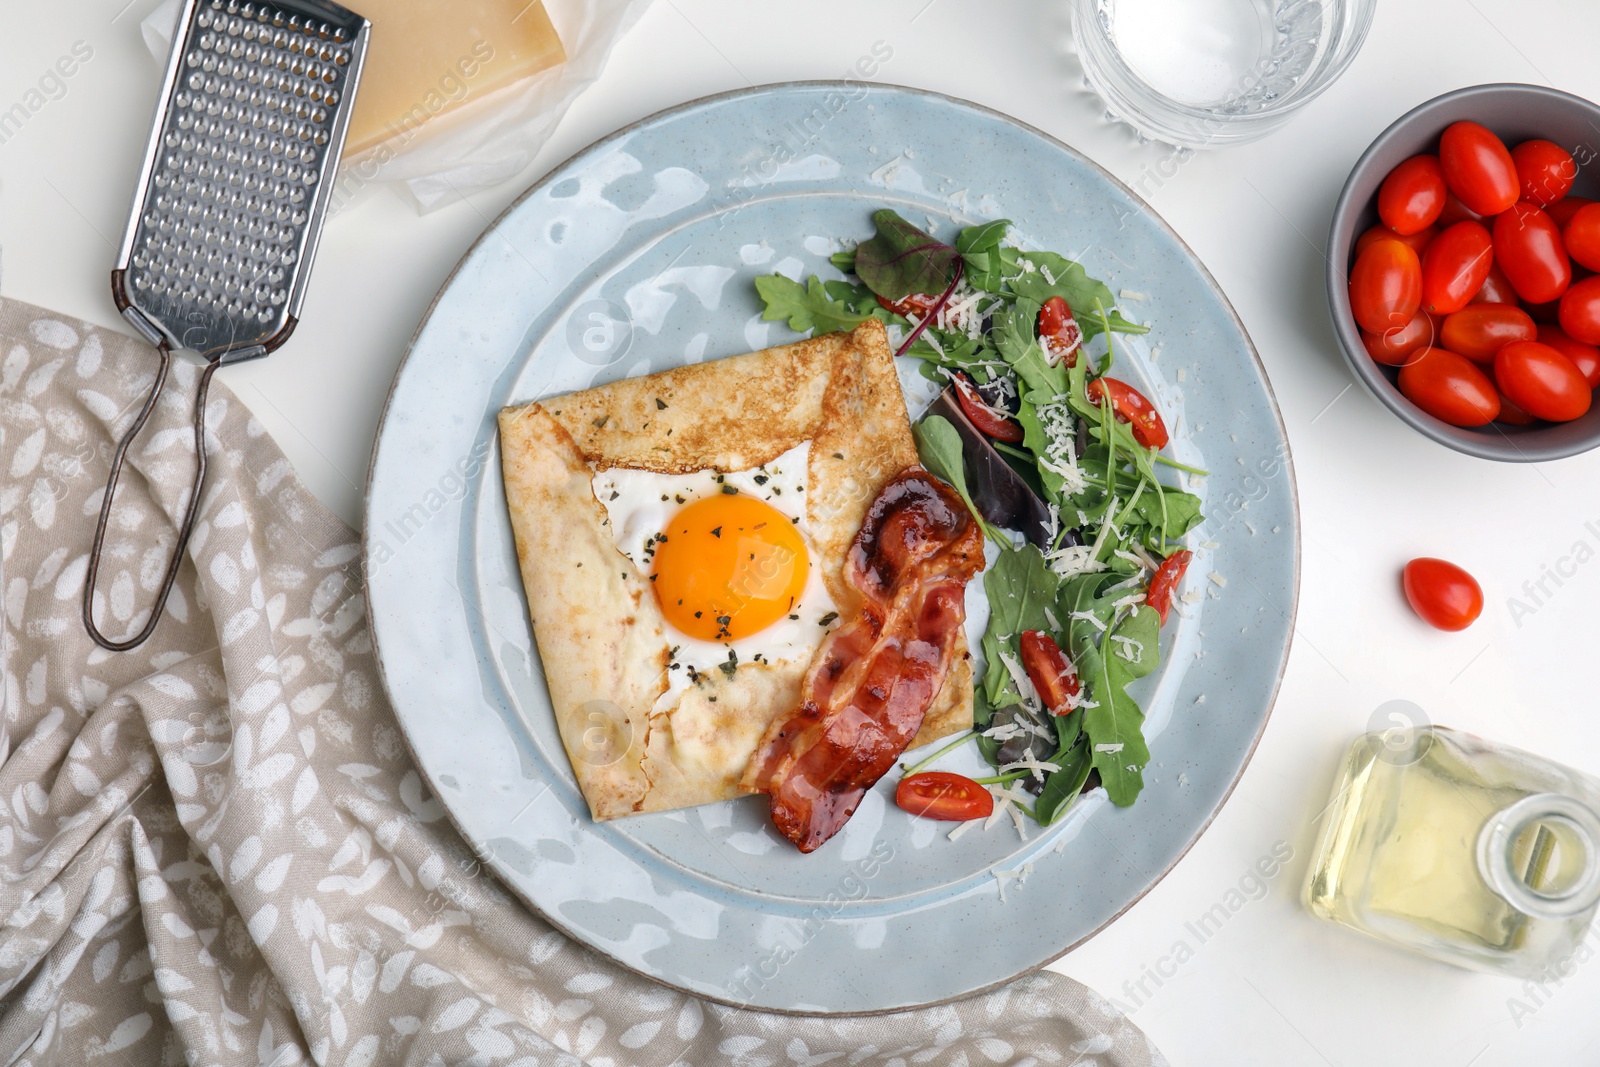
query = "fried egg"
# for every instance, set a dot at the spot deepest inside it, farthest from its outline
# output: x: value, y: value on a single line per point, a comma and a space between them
x: 730, y: 561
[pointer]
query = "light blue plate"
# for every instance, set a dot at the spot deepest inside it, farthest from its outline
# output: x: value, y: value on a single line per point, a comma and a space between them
x: 638, y: 254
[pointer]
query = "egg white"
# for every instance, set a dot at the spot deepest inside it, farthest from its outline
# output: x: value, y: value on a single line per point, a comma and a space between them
x: 639, y: 505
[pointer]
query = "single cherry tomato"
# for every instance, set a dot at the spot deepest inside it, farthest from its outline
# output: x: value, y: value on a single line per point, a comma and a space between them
x: 1454, y: 267
x: 943, y: 795
x: 1496, y: 288
x: 1164, y: 583
x: 1585, y: 357
x: 1579, y: 311
x: 989, y: 422
x: 1478, y: 330
x: 1412, y: 196
x: 1442, y: 594
x: 1545, y: 171
x: 1449, y: 387
x: 1392, y: 347
x: 1581, y: 236
x: 1542, y: 381
x: 1386, y: 286
x: 1478, y: 169
x: 1059, y: 334
x: 1512, y: 415
x: 1455, y: 211
x: 917, y: 304
x: 1414, y: 241
x: 1562, y: 211
x: 1050, y: 671
x: 1527, y: 245
x: 1133, y: 408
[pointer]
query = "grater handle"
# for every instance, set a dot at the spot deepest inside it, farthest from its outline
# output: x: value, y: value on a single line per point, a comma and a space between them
x: 184, y: 530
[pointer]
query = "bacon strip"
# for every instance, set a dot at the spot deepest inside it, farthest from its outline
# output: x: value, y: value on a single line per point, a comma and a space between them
x: 873, y: 678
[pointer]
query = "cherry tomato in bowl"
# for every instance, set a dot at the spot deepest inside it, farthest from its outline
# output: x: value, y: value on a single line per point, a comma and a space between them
x: 1478, y: 169
x: 1454, y: 267
x: 1545, y: 171
x: 1542, y: 381
x: 1386, y: 286
x: 1412, y: 196
x: 1442, y: 594
x: 1512, y: 415
x: 1449, y: 387
x: 1585, y: 357
x: 1580, y: 234
x: 1496, y: 288
x: 1579, y: 311
x: 944, y: 795
x: 1478, y: 331
x: 1527, y: 246
x: 1393, y: 347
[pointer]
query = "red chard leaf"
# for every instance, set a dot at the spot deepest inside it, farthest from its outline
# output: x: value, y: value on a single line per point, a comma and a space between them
x: 901, y: 260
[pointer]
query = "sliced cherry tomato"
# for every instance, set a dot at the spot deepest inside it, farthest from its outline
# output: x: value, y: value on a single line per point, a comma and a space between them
x: 1449, y: 387
x: 1478, y: 330
x: 1050, y: 671
x: 1164, y: 583
x: 1496, y: 288
x: 1412, y: 196
x: 917, y: 304
x: 1545, y: 171
x: 1132, y: 408
x: 1581, y: 236
x: 1454, y: 267
x: 1527, y: 245
x: 1512, y: 415
x: 1442, y: 594
x: 1386, y: 286
x: 1414, y: 241
x: 943, y: 795
x: 1392, y: 347
x: 1579, y: 312
x: 1455, y: 211
x: 1585, y: 357
x: 977, y: 410
x: 1059, y: 333
x: 1478, y: 169
x: 1542, y: 381
x: 1564, y: 209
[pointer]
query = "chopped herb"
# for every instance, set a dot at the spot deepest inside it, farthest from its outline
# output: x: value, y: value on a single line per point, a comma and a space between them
x: 730, y: 489
x: 661, y: 405
x: 716, y: 531
x: 731, y: 664
x: 761, y: 479
x: 828, y: 618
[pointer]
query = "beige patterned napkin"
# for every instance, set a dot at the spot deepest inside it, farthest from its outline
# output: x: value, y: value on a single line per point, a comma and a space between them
x: 215, y: 849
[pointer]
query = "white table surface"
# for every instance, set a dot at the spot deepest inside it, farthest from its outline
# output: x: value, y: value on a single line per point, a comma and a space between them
x: 1272, y: 985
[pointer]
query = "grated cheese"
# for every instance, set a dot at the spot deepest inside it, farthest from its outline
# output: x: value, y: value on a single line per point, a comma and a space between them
x: 1133, y: 294
x: 1109, y: 748
x: 1201, y: 699
x: 1128, y: 648
x: 1050, y: 617
x: 963, y: 828
x: 1035, y: 767
x: 1086, y: 616
x: 1221, y: 582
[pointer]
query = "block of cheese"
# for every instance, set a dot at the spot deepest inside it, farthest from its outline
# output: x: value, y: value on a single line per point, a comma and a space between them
x: 428, y: 58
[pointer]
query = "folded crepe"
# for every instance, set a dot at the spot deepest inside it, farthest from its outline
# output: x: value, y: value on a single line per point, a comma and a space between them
x: 603, y: 640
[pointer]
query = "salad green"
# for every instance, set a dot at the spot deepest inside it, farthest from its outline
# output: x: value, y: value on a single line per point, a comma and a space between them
x: 1112, y: 519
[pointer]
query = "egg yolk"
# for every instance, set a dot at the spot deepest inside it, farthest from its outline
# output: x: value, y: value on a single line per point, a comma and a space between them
x: 728, y: 566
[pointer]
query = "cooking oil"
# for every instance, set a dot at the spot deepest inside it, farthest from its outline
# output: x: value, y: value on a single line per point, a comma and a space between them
x: 1476, y: 854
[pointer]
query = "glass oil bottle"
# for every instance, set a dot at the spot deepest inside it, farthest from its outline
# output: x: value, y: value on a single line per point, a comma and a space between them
x: 1476, y: 854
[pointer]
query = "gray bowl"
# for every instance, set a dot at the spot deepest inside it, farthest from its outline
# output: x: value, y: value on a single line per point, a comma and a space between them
x: 1516, y: 113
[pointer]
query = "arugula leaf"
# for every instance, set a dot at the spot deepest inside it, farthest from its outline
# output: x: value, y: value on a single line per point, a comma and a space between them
x: 941, y: 451
x: 807, y: 307
x: 901, y: 260
x: 1118, y: 720
x: 1064, y: 786
x: 1013, y: 333
x: 985, y: 237
x: 844, y: 262
x: 1068, y: 280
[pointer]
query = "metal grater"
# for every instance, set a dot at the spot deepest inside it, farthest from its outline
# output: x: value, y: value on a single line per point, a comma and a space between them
x: 227, y: 213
